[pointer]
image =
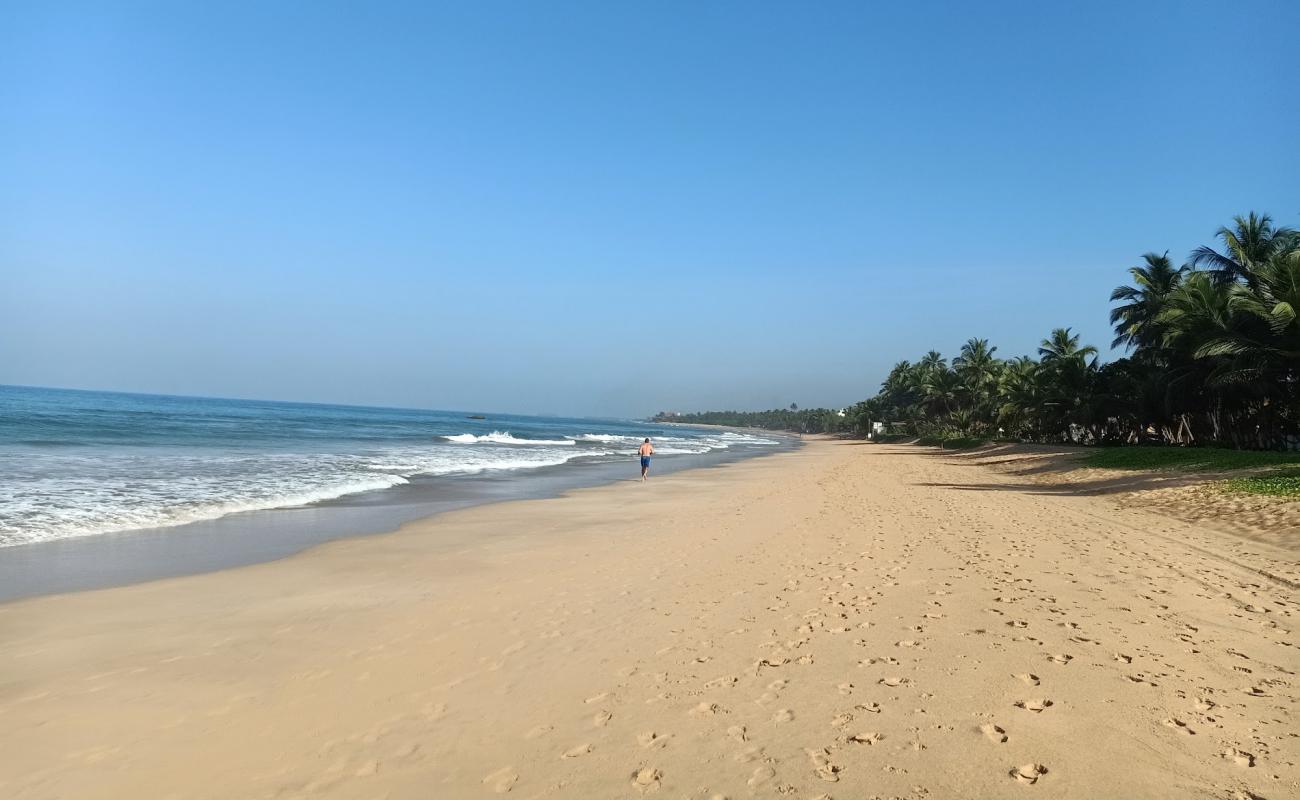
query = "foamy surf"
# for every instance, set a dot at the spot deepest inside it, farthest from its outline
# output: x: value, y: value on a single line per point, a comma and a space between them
x: 504, y: 437
x: 85, y: 463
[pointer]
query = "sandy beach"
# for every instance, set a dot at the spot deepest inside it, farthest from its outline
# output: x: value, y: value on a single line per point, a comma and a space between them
x: 844, y: 620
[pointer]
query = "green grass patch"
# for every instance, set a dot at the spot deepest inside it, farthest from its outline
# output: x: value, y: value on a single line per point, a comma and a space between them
x: 1192, y: 459
x: 1285, y: 483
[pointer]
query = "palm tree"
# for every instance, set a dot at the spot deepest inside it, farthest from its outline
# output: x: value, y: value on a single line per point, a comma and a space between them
x: 942, y: 388
x: 1020, y: 388
x: 932, y: 360
x: 976, y: 362
x: 979, y: 369
x: 1135, y: 321
x: 1250, y: 244
x: 1215, y: 355
x: 1064, y: 346
x: 1198, y: 318
x: 1275, y: 303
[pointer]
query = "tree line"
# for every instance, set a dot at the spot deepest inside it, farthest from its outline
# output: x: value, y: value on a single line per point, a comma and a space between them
x: 805, y: 420
x: 1212, y: 357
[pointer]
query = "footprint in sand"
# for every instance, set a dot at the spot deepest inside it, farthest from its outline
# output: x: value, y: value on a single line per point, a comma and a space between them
x: 760, y: 776
x: 538, y: 731
x: 718, y: 683
x: 894, y: 681
x: 601, y: 719
x: 367, y: 769
x: 783, y: 715
x: 749, y: 755
x: 1060, y: 658
x: 868, y: 737
x: 737, y: 732
x: 1034, y: 705
x: 840, y: 720
x: 596, y: 698
x: 578, y: 750
x: 1178, y: 725
x: 706, y: 710
x: 871, y: 708
x: 502, y: 781
x: 1123, y: 659
x: 845, y: 688
x: 652, y: 739
x: 993, y: 733
x: 1028, y: 678
x: 822, y: 765
x: 1239, y: 757
x: 646, y: 778
x: 1029, y: 773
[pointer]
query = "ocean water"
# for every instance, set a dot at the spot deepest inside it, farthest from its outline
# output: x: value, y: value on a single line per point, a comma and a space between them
x: 77, y: 463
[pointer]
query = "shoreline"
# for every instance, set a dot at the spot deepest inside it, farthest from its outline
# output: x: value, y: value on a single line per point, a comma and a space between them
x: 843, y: 618
x: 122, y: 558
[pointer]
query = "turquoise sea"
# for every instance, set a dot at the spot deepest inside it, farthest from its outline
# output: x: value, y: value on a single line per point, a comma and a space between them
x: 80, y: 463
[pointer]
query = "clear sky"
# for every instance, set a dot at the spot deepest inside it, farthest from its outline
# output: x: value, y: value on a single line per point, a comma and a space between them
x: 606, y: 208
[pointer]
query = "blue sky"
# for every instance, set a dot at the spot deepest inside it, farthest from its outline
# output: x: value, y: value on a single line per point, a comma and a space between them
x: 606, y: 208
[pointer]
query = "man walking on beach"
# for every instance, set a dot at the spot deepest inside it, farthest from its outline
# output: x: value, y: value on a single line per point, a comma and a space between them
x: 646, y: 451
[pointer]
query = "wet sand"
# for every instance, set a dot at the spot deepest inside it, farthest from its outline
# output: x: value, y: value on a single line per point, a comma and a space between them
x: 252, y: 537
x: 844, y: 620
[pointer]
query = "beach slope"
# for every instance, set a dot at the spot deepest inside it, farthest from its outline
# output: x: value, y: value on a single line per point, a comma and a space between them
x: 844, y: 620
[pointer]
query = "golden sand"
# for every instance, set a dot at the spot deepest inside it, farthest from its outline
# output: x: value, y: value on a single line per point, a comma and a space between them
x: 845, y: 621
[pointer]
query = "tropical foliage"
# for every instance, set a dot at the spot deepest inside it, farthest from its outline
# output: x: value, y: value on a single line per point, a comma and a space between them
x: 807, y: 420
x: 1212, y: 356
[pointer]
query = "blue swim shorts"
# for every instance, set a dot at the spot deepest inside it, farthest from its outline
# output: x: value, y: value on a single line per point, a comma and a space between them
x: 645, y: 461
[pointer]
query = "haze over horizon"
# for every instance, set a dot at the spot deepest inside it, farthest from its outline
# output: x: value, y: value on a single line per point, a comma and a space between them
x: 582, y: 209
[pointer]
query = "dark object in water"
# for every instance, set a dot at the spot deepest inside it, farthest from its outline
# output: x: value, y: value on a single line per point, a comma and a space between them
x: 476, y: 416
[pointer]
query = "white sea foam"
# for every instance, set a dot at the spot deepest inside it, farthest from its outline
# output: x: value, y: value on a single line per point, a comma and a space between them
x: 176, y: 491
x: 103, y: 508
x: 605, y: 438
x: 56, y: 494
x: 504, y: 437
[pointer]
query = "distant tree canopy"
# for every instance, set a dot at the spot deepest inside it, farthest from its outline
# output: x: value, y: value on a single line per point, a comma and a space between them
x: 808, y: 420
x: 1214, y: 357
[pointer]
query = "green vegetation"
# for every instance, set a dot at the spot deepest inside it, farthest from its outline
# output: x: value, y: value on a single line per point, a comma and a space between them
x: 807, y: 420
x: 891, y: 438
x: 962, y: 442
x: 949, y: 442
x: 1214, y: 358
x: 1281, y: 484
x: 1192, y: 459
